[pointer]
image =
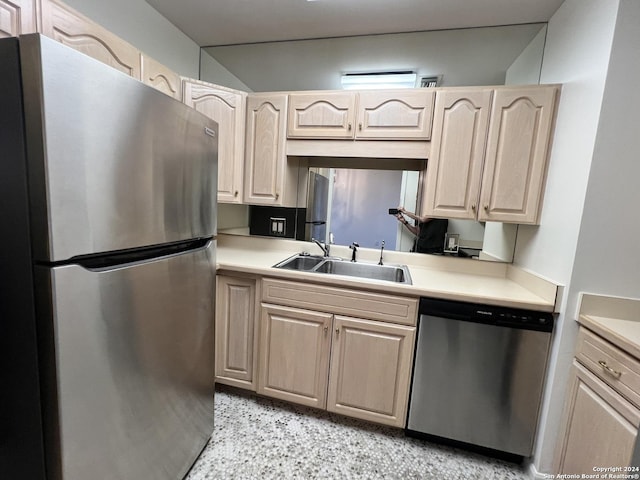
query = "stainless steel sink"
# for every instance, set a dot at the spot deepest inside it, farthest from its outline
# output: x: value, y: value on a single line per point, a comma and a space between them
x: 300, y: 262
x: 323, y: 265
x: 390, y: 273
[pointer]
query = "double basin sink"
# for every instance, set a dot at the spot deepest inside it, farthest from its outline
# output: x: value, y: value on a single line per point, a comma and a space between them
x: 337, y: 266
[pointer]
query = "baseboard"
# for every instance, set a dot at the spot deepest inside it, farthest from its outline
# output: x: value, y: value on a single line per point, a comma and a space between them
x: 534, y: 474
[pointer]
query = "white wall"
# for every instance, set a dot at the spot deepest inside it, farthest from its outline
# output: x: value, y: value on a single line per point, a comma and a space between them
x: 525, y: 70
x: 474, y: 56
x: 142, y: 26
x: 499, y: 238
x: 213, y: 72
x: 607, y: 261
x: 576, y: 54
x: 232, y: 216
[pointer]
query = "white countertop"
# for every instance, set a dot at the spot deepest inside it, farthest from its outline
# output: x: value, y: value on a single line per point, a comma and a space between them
x: 616, y: 319
x: 433, y: 276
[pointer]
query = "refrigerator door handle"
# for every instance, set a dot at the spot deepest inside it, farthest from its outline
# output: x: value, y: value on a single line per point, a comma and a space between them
x: 127, y: 258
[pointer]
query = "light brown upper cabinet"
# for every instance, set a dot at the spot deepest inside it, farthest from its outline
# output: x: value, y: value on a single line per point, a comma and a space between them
x: 518, y: 144
x: 372, y: 115
x: 454, y: 170
x: 270, y: 178
x: 489, y: 153
x: 76, y: 31
x: 227, y: 107
x: 395, y: 114
x: 17, y: 17
x: 321, y: 115
x: 160, y: 77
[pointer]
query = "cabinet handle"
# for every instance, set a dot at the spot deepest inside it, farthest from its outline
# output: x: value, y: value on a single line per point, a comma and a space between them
x: 277, y: 196
x: 337, y: 332
x: 349, y: 127
x: 235, y: 194
x: 473, y: 207
x: 360, y: 126
x: 609, y: 370
x: 326, y: 329
x: 486, y: 208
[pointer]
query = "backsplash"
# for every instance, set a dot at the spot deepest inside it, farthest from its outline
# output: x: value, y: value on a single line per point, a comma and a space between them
x: 277, y: 221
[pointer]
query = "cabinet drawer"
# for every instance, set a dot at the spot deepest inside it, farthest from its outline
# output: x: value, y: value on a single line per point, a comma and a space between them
x: 355, y: 303
x: 609, y: 363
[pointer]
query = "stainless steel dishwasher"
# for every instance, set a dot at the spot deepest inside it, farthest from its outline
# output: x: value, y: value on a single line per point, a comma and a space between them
x: 478, y: 376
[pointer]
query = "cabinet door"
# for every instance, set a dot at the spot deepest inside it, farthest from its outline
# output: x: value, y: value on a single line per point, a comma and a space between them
x: 227, y: 107
x: 395, y: 114
x: 321, y: 115
x: 265, y: 149
x: 517, y: 151
x: 294, y: 354
x: 600, y: 427
x: 160, y: 77
x: 17, y: 17
x: 236, y: 340
x: 370, y: 370
x: 76, y: 31
x: 454, y: 168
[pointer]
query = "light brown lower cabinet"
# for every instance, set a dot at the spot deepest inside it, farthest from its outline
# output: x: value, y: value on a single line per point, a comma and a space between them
x: 295, y: 346
x: 370, y: 370
x: 599, y: 427
x: 356, y: 367
x: 236, y: 336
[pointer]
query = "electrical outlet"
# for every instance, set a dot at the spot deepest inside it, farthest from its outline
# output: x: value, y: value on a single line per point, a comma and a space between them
x: 278, y: 226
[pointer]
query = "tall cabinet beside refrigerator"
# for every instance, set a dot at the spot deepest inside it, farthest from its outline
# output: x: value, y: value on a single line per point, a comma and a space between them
x: 107, y: 271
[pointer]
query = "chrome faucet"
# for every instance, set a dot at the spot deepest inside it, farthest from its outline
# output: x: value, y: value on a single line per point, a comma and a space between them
x: 381, y: 250
x: 354, y: 246
x: 325, y: 247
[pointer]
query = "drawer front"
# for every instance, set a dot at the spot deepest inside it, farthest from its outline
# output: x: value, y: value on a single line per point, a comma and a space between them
x: 355, y: 303
x: 609, y: 363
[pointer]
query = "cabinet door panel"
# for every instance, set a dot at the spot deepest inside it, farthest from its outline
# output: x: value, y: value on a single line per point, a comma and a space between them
x: 370, y: 370
x: 235, y: 337
x: 17, y: 17
x: 76, y: 31
x: 517, y: 151
x: 160, y: 77
x: 600, y: 426
x: 454, y: 168
x: 321, y: 115
x: 404, y: 114
x: 265, y: 149
x: 295, y: 347
x: 228, y: 109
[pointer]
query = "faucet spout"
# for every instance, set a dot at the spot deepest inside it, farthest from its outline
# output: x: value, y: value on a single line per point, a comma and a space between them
x: 354, y: 246
x: 381, y: 250
x: 324, y: 247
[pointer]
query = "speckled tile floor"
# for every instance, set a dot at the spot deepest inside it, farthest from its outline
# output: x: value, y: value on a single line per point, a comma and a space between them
x: 260, y: 438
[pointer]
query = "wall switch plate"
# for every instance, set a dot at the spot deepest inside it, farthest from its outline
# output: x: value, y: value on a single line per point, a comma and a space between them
x: 277, y: 226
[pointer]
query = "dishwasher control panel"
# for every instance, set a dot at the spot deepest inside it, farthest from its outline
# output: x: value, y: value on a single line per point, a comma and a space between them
x: 474, y: 312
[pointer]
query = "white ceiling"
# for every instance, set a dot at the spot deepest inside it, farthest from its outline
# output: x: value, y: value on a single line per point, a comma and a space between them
x: 232, y: 22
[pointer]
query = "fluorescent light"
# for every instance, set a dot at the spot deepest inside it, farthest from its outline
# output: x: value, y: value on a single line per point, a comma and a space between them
x: 363, y: 81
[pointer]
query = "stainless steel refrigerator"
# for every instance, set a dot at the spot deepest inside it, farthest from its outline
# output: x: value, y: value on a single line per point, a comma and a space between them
x: 107, y: 271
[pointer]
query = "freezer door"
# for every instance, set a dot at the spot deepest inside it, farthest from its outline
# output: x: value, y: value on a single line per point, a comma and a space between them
x: 130, y: 367
x: 113, y: 164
